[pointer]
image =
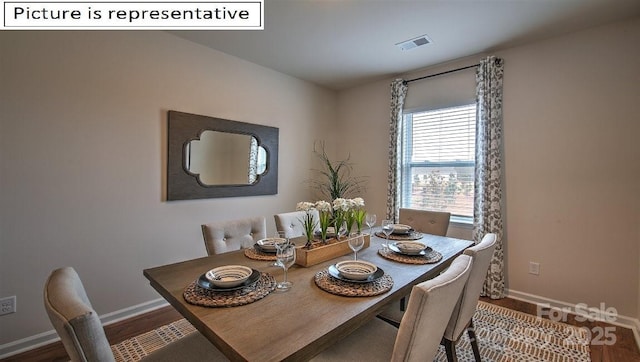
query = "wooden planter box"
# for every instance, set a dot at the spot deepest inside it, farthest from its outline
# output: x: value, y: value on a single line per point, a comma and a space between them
x: 319, y: 254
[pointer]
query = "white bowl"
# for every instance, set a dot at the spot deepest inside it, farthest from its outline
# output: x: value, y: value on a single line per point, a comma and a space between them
x: 229, y: 276
x: 410, y: 247
x: 401, y: 229
x: 269, y: 244
x: 356, y: 269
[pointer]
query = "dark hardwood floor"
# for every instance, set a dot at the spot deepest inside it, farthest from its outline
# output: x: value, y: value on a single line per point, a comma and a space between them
x: 623, y: 350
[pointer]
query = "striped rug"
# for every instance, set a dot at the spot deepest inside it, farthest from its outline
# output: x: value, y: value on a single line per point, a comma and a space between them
x: 504, y: 335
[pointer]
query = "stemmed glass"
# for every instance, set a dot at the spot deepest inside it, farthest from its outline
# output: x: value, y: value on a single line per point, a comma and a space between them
x: 356, y: 242
x: 387, y: 229
x: 339, y: 229
x: 280, y: 239
x: 370, y: 221
x: 286, y: 257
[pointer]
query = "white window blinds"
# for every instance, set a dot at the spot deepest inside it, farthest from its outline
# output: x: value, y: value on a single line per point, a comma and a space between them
x: 438, y: 160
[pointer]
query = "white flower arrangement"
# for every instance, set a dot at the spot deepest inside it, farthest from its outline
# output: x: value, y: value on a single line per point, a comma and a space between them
x: 308, y: 222
x: 340, y: 211
x: 324, y: 208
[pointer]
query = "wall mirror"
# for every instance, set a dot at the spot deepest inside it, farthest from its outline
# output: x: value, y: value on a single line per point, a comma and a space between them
x: 213, y: 157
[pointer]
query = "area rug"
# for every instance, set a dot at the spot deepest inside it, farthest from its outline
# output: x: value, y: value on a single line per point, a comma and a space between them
x: 504, y: 335
x: 133, y: 349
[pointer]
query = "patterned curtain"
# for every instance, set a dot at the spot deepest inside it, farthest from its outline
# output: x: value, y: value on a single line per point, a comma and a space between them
x: 398, y: 94
x: 487, y: 214
x: 253, y: 160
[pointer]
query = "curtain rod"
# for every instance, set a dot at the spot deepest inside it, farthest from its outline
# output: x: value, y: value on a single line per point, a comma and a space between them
x: 441, y: 73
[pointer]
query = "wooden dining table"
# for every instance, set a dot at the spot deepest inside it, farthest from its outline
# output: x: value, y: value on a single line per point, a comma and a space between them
x: 300, y: 323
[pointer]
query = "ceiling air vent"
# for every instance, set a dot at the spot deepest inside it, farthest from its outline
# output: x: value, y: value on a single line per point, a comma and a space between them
x: 414, y: 43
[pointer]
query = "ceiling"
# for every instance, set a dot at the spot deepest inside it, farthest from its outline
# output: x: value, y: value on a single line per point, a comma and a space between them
x: 340, y: 44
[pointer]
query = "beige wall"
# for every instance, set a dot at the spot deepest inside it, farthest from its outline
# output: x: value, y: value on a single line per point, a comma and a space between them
x: 83, y: 154
x: 571, y: 127
x: 573, y: 164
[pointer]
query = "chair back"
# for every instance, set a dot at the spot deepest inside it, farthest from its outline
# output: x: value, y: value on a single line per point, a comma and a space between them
x: 429, y: 310
x: 466, y: 307
x: 428, y: 222
x: 225, y: 236
x: 71, y: 314
x: 291, y: 222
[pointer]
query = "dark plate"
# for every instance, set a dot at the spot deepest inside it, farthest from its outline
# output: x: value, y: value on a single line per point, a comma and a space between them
x: 206, y: 284
x: 395, y: 249
x: 261, y: 249
x: 333, y: 271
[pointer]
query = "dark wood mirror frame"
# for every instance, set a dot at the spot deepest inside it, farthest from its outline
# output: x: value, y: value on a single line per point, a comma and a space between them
x: 186, y: 127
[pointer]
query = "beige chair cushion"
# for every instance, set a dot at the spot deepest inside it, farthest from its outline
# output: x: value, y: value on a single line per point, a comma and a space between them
x: 466, y: 307
x: 82, y: 334
x: 291, y: 222
x: 225, y: 236
x: 421, y: 329
x: 72, y: 316
x: 429, y: 311
x: 428, y: 222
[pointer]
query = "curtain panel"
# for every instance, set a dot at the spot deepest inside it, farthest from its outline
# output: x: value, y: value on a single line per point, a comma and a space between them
x: 488, y: 202
x: 253, y: 160
x: 398, y: 95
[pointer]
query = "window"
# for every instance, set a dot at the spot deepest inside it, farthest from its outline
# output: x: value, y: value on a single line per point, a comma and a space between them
x: 438, y: 153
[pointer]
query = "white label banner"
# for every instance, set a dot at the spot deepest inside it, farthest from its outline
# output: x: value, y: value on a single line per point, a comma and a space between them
x: 229, y: 15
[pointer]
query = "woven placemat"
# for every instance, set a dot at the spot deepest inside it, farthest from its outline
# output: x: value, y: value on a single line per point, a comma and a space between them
x: 414, y: 235
x: 429, y: 258
x: 254, y: 254
x: 336, y: 286
x: 197, y: 295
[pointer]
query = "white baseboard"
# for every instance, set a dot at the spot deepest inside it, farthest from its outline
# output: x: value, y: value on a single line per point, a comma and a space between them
x: 51, y: 336
x: 618, y: 320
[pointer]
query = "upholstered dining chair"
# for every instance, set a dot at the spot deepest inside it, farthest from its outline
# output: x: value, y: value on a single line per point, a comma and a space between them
x: 83, y: 336
x: 462, y: 316
x: 230, y: 235
x: 291, y: 222
x: 428, y: 222
x: 421, y: 330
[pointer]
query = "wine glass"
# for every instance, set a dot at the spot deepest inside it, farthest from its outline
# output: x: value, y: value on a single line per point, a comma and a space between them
x: 356, y: 242
x: 286, y: 257
x: 280, y: 239
x: 370, y: 221
x: 387, y: 229
x: 339, y: 229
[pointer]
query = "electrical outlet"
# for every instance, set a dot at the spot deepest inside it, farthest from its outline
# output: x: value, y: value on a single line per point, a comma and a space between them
x: 8, y: 305
x: 534, y: 268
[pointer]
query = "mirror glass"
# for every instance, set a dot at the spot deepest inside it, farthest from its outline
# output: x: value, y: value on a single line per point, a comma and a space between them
x: 220, y: 158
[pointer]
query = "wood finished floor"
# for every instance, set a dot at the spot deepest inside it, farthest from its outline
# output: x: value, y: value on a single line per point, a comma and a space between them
x: 624, y: 350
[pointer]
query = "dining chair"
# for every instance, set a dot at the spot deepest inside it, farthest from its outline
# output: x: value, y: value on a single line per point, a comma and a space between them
x: 420, y: 332
x: 462, y: 316
x: 231, y: 235
x: 291, y: 222
x: 82, y: 333
x: 424, y: 221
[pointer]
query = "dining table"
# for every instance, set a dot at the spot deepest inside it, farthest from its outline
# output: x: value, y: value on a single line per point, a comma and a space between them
x: 300, y: 323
